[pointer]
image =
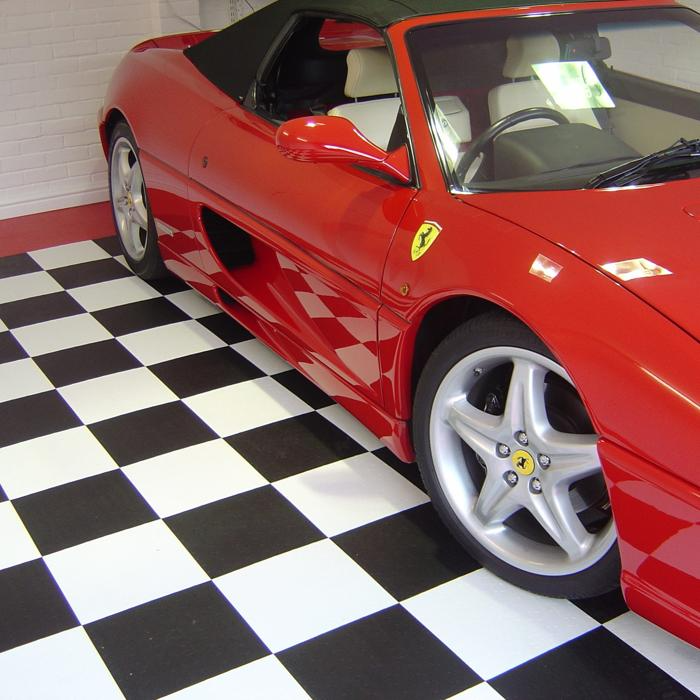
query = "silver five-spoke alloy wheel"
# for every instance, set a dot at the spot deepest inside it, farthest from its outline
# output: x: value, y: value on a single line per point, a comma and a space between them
x: 521, y: 488
x: 128, y: 199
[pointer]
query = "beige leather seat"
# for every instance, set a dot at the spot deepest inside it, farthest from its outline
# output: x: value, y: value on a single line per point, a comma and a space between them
x: 370, y: 74
x: 522, y: 53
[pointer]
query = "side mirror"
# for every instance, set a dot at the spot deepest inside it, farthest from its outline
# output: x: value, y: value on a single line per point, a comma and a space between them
x: 337, y: 140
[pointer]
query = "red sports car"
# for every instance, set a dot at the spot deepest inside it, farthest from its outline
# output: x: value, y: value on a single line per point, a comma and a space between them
x: 477, y: 227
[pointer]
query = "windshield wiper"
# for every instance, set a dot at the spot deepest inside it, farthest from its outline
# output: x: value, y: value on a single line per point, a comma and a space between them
x: 683, y: 153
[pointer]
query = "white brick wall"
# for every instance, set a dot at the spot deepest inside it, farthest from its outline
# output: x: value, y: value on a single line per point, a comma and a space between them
x: 56, y: 58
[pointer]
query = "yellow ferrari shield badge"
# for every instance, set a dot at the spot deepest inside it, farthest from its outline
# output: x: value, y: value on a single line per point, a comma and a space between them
x: 425, y: 237
x: 523, y: 462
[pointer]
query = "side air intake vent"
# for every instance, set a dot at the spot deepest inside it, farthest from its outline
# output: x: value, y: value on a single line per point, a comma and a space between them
x: 232, y: 244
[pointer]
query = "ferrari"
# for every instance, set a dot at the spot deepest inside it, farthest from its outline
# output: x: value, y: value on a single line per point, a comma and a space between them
x: 476, y: 226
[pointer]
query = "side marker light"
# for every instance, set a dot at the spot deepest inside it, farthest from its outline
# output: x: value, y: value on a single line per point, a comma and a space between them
x: 545, y: 269
x: 627, y: 270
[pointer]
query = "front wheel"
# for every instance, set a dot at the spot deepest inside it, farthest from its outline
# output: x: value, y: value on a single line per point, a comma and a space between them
x: 132, y: 214
x: 509, y: 456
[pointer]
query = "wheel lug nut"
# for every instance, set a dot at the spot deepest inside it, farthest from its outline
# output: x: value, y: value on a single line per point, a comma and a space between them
x: 511, y: 478
x: 535, y: 485
x: 478, y: 371
x: 503, y: 450
x: 521, y: 437
x: 544, y: 461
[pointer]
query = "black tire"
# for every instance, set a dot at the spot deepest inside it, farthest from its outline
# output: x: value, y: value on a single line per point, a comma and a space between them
x: 150, y: 265
x: 497, y: 331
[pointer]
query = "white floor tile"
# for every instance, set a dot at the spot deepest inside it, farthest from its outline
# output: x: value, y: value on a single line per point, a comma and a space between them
x: 260, y: 680
x: 344, y: 420
x: 63, y: 333
x: 262, y: 357
x: 3, y: 327
x: 483, y: 691
x: 120, y: 571
x: 247, y: 405
x: 45, y: 462
x: 298, y: 595
x: 169, y: 342
x: 193, y: 304
x: 17, y: 545
x: 65, y: 666
x: 105, y: 295
x: 678, y: 658
x: 188, y: 478
x: 22, y: 378
x: 24, y: 286
x: 506, y: 625
x: 115, y: 394
x: 122, y: 261
x: 69, y: 254
x: 347, y: 494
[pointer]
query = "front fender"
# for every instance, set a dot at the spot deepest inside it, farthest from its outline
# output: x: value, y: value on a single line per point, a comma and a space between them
x: 635, y: 370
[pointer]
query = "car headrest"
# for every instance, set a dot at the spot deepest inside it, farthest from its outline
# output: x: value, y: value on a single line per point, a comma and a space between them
x: 370, y: 73
x: 524, y: 50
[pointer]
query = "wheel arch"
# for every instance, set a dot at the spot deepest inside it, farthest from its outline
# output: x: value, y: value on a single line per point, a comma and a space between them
x: 113, y: 117
x: 437, y: 321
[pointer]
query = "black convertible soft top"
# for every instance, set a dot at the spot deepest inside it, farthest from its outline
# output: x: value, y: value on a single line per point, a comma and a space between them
x: 230, y: 59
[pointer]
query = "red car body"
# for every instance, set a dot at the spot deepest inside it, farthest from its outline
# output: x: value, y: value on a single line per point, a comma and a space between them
x: 334, y: 289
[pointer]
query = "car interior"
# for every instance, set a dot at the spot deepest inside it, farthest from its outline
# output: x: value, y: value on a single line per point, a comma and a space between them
x: 351, y: 75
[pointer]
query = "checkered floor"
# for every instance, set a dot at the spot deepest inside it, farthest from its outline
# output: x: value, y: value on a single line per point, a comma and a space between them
x: 182, y: 513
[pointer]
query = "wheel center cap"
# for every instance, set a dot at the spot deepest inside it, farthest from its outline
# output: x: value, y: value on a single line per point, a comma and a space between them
x: 523, y: 462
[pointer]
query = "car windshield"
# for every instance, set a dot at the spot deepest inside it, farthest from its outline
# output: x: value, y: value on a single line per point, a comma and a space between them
x: 553, y: 101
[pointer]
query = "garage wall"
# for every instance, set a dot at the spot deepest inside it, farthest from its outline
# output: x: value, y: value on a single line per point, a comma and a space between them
x: 56, y: 57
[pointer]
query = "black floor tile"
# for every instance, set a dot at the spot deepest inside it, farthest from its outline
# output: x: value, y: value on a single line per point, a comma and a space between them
x: 604, y: 608
x: 10, y: 349
x: 169, y: 285
x: 408, y: 471
x: 109, y: 245
x: 154, y: 431
x: 387, y: 655
x: 596, y: 665
x: 46, y: 307
x: 33, y: 606
x: 291, y: 446
x: 174, y: 642
x: 86, y: 362
x: 20, y: 264
x: 224, y: 327
x: 34, y: 416
x: 407, y: 553
x: 205, y: 371
x: 241, y: 530
x: 307, y: 391
x: 89, y: 273
x: 139, y: 316
x: 81, y: 511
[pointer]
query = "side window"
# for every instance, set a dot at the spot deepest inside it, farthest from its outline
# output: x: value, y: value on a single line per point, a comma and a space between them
x: 340, y: 69
x: 305, y: 78
x: 674, y: 60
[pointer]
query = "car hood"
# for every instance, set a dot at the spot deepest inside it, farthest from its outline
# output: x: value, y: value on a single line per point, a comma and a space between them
x: 659, y: 223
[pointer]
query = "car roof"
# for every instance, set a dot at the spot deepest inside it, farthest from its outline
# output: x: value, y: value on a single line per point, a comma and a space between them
x: 230, y: 59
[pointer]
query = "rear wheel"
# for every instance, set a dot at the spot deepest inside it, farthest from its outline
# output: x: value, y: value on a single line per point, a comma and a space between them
x: 509, y: 456
x: 132, y: 214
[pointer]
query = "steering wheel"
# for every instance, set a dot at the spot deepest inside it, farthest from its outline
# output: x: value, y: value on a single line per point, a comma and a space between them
x: 497, y: 128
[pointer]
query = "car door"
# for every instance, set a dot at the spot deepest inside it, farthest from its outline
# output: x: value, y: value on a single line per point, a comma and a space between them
x: 320, y: 237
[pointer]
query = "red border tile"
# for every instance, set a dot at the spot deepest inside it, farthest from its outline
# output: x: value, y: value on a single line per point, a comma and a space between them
x: 52, y: 228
